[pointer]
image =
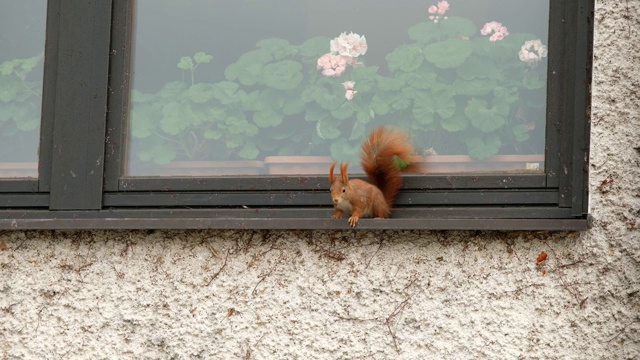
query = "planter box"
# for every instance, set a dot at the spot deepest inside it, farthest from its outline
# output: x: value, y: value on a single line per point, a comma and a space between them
x: 319, y: 165
x: 199, y: 168
x: 298, y: 165
x: 464, y: 163
x: 18, y: 169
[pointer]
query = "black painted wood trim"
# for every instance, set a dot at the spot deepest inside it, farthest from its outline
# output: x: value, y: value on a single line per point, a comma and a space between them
x: 80, y: 105
x: 272, y: 219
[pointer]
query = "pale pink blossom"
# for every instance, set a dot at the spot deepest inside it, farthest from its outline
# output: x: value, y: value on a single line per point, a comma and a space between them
x: 443, y: 6
x: 496, y: 36
x: 495, y: 29
x: 333, y: 65
x: 439, y: 10
x: 351, y: 44
x: 349, y: 94
x: 348, y: 85
x: 532, y: 52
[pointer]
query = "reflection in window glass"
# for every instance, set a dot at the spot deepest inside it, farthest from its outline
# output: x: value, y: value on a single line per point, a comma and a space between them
x: 243, y: 83
x: 22, y: 33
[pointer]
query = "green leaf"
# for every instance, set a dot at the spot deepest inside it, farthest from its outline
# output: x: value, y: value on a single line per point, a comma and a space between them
x: 448, y: 54
x: 172, y: 90
x: 365, y: 78
x: 399, y: 102
x: 283, y: 75
x: 315, y: 47
x: 421, y: 79
x: 457, y: 26
x: 9, y: 88
x: 279, y: 48
x: 533, y: 80
x: 249, y: 151
x: 225, y: 92
x: 293, y: 106
x: 173, y: 119
x: 390, y: 84
x: 158, y: 153
x: 484, y: 118
x: 212, y: 134
x: 455, y: 123
x: 202, y: 58
x: 267, y: 118
x: 27, y: 118
x: 328, y: 129
x: 424, y: 32
x: 200, y: 93
x: 343, y: 150
x: 143, y: 121
x: 344, y: 111
x: 251, y: 101
x: 477, y: 87
x: 186, y: 63
x: 406, y: 58
x: 424, y: 112
x: 7, y: 67
x: 363, y: 117
x: 248, y: 69
x: 315, y: 113
x: 521, y: 133
x: 379, y: 105
x: 441, y: 103
x: 328, y: 100
x: 483, y: 147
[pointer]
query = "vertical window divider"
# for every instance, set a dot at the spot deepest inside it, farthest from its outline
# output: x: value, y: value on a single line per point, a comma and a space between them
x: 118, y: 97
x: 79, y: 122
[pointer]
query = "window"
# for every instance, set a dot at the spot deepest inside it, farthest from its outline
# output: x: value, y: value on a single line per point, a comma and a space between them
x: 175, y: 114
x: 21, y: 64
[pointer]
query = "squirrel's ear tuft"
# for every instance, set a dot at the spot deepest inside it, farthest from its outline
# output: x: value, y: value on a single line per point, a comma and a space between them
x: 343, y: 173
x: 332, y: 178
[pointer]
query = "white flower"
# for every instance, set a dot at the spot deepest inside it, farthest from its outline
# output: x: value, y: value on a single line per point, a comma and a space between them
x: 350, y: 44
x: 532, y: 51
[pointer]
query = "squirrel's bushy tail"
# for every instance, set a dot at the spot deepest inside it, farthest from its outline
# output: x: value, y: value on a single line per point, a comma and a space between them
x: 384, y: 153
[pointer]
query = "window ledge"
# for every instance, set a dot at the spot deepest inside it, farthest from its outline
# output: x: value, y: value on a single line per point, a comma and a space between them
x: 308, y: 219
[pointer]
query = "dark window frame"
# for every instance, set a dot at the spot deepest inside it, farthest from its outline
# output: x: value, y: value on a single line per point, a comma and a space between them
x: 85, y: 100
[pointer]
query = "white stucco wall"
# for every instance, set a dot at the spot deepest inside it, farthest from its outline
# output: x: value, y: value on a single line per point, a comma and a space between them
x: 354, y: 295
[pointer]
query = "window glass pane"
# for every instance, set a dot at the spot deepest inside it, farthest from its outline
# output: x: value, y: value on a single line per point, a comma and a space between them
x: 22, y: 33
x: 246, y: 83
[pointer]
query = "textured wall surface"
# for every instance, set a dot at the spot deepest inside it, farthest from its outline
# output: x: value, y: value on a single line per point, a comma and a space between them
x: 354, y: 295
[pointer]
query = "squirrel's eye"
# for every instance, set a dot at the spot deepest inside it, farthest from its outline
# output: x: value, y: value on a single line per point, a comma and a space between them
x: 344, y: 189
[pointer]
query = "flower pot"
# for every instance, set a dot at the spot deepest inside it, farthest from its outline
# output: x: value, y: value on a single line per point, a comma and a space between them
x: 19, y: 169
x: 198, y: 168
x: 298, y: 165
x: 464, y: 163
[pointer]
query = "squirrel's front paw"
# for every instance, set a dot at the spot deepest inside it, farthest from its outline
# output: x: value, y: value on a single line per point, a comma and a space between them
x: 336, y: 216
x: 353, y: 221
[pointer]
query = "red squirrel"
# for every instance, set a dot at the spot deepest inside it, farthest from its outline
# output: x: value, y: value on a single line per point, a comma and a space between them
x: 383, y: 153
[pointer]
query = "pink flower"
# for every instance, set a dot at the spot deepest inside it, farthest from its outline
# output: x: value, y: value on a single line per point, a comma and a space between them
x: 496, y: 37
x: 440, y: 9
x: 348, y: 85
x: 333, y: 65
x: 349, y: 94
x: 443, y: 6
x: 499, y: 31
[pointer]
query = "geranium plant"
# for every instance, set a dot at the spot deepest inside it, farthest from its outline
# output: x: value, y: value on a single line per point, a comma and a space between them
x: 458, y: 87
x: 20, y: 102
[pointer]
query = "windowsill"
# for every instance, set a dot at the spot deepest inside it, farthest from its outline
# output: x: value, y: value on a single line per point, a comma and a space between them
x: 309, y: 219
